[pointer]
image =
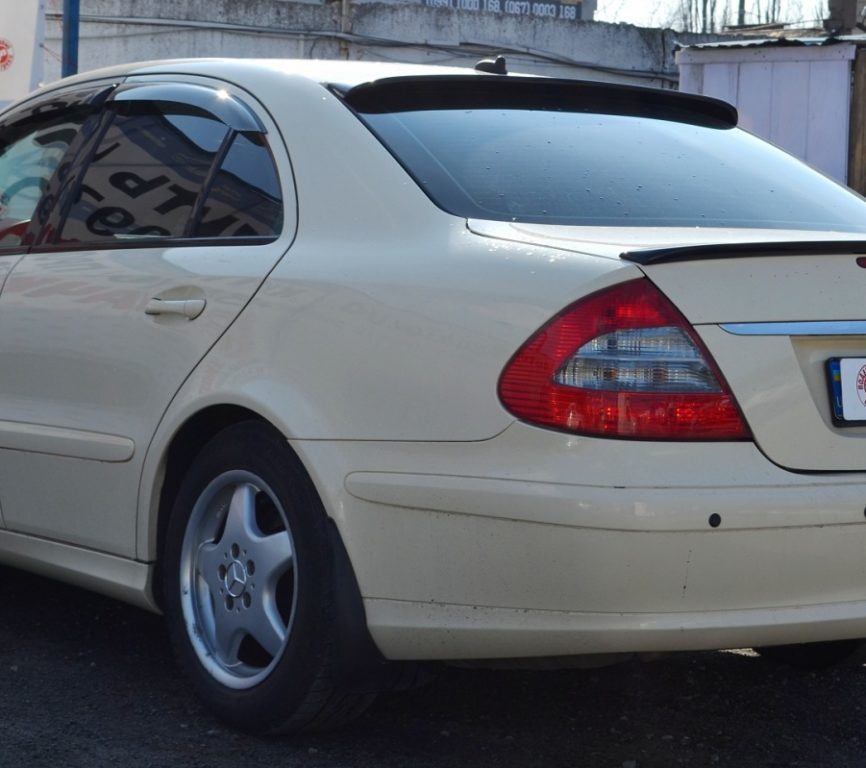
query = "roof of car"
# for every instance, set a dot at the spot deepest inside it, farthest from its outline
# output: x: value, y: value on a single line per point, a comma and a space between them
x: 396, y: 85
x: 337, y: 72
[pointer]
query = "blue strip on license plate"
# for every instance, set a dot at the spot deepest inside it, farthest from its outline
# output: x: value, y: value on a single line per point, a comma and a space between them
x: 834, y: 374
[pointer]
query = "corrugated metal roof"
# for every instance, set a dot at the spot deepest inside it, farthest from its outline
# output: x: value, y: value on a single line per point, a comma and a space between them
x: 774, y: 42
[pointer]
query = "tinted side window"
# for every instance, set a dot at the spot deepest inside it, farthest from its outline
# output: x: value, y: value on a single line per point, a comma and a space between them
x: 32, y: 144
x: 146, y: 175
x: 244, y: 199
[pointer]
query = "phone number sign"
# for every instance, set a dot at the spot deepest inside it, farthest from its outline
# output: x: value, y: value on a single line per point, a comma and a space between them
x: 565, y: 11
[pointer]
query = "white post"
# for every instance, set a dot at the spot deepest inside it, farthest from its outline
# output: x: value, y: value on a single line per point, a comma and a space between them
x: 22, y: 31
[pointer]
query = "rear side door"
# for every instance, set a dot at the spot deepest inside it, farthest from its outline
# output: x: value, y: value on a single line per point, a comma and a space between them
x: 37, y: 141
x: 159, y: 233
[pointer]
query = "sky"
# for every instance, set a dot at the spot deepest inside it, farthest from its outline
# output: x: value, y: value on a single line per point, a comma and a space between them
x: 661, y: 12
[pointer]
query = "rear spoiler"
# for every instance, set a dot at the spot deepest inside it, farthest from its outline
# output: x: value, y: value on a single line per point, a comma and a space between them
x: 479, y: 91
x: 670, y: 254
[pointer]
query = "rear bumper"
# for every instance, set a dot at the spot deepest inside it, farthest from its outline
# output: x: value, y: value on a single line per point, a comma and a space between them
x: 437, y: 631
x: 537, y: 544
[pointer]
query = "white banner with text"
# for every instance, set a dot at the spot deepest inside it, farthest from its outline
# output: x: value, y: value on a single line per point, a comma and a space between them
x: 22, y: 30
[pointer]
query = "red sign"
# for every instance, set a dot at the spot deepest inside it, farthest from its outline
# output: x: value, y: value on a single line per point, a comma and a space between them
x: 860, y: 384
x: 7, y: 54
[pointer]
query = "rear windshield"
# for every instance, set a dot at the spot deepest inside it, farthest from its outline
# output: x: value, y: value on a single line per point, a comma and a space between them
x: 557, y: 166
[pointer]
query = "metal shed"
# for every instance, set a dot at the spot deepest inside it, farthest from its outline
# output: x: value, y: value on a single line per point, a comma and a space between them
x: 807, y: 95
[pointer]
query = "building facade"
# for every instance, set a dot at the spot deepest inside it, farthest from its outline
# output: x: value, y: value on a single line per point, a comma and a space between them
x: 556, y: 38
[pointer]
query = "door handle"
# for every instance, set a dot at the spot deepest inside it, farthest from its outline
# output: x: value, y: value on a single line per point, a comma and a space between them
x: 188, y: 308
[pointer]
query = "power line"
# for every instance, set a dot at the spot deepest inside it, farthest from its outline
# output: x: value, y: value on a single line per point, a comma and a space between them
x: 463, y: 48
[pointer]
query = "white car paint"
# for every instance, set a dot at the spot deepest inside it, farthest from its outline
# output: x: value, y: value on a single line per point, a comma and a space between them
x: 375, y: 345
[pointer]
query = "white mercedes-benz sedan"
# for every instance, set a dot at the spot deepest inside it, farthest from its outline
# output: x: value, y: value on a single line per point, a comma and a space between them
x: 347, y: 366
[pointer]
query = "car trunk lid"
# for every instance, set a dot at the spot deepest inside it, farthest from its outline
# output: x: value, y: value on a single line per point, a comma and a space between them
x: 773, y: 307
x: 773, y: 316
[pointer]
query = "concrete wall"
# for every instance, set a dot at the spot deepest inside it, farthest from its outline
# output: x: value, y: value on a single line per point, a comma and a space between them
x: 115, y: 31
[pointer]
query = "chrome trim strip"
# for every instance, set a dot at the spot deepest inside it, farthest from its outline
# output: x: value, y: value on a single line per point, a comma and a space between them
x: 813, y: 328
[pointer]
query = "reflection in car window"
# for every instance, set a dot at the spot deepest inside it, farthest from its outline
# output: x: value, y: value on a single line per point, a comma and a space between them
x: 581, y: 168
x: 245, y: 198
x: 146, y: 175
x: 31, y: 147
x: 205, y: 132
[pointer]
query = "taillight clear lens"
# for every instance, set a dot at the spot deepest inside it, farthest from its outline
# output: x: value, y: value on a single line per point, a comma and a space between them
x: 623, y: 363
x: 639, y: 360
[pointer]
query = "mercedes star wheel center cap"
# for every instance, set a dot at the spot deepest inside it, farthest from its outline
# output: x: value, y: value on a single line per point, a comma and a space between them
x: 236, y: 579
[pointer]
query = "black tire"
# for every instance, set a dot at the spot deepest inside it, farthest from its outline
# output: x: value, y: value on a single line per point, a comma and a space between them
x: 813, y: 655
x: 244, y: 499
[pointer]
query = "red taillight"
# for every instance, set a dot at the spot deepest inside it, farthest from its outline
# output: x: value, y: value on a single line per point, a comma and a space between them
x: 622, y: 363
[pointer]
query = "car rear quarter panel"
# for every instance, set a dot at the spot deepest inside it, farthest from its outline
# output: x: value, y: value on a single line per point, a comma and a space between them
x: 387, y: 320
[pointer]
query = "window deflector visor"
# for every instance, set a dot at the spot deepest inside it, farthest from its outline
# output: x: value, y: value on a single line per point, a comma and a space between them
x: 219, y: 103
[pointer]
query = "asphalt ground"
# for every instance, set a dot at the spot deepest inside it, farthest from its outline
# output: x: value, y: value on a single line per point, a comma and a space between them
x: 85, y: 681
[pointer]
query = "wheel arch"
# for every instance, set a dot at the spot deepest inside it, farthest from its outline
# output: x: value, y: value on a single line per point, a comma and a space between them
x: 186, y: 443
x: 359, y: 663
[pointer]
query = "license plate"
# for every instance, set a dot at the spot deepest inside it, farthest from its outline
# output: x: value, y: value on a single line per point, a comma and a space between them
x: 847, y: 380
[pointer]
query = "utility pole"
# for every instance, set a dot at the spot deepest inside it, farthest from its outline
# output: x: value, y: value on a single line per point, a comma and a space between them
x: 71, y: 18
x: 843, y: 16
